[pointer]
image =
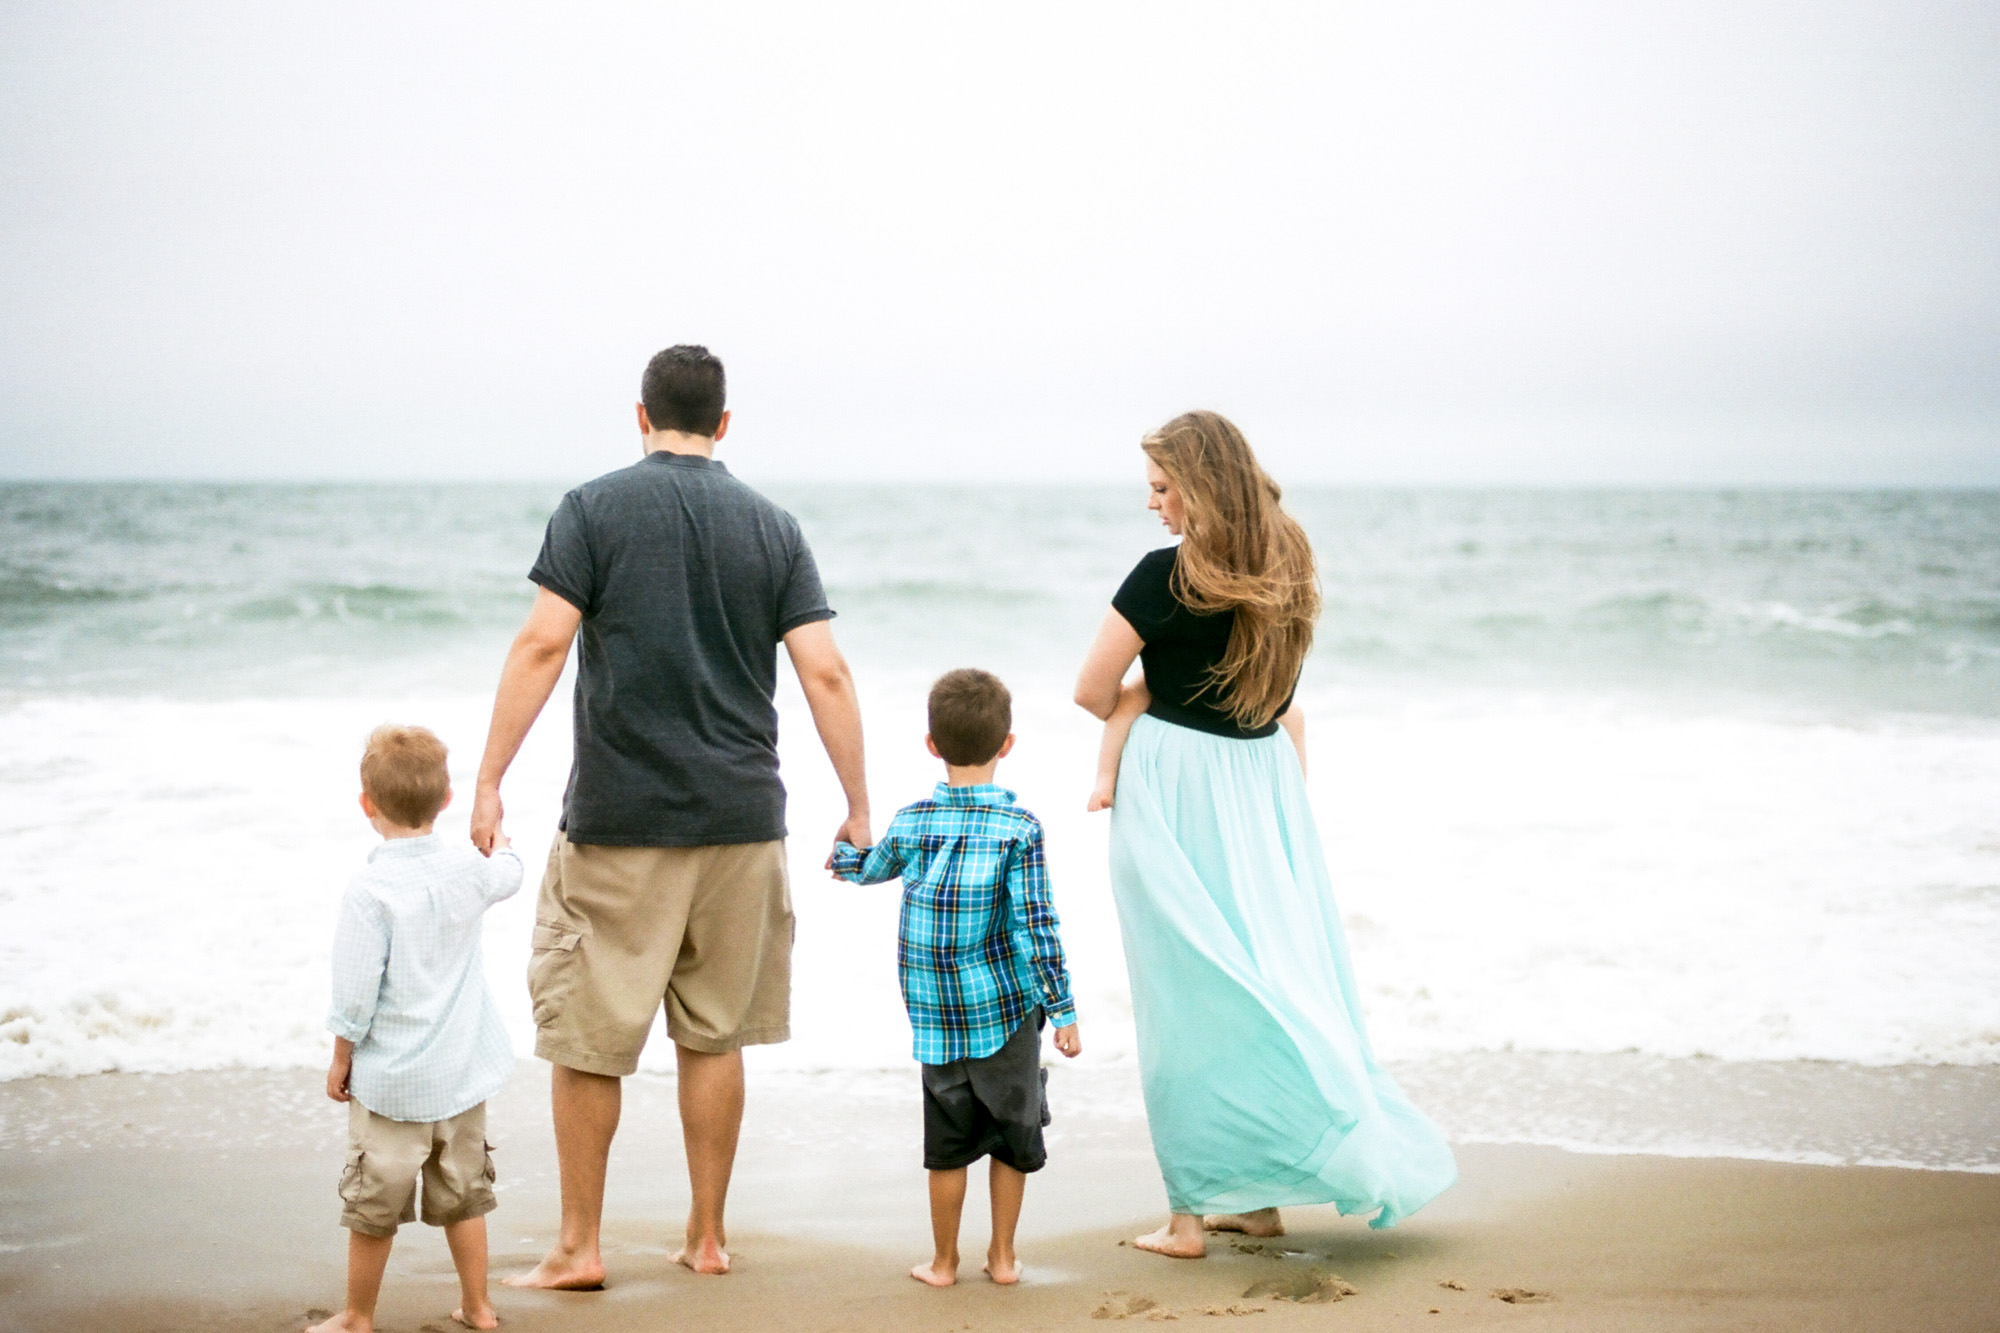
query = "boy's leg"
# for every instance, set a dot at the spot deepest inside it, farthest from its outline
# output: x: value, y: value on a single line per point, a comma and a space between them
x: 1008, y: 1187
x: 467, y: 1240
x: 367, y: 1257
x: 947, y: 1202
x: 586, y: 1109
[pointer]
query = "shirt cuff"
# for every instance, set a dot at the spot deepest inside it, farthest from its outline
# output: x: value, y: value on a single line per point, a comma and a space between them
x: 847, y: 859
x: 339, y: 1026
x: 1061, y: 1013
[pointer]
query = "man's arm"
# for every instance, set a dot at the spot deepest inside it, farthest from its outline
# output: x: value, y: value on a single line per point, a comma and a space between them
x: 534, y: 665
x: 836, y: 711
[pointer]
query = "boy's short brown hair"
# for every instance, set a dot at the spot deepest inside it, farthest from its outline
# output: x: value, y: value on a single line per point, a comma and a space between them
x: 971, y: 714
x: 403, y: 771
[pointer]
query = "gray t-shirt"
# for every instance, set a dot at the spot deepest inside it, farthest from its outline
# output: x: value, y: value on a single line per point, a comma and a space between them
x: 686, y: 579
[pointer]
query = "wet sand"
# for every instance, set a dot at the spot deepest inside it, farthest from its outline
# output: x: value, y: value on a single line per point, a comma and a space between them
x: 205, y: 1201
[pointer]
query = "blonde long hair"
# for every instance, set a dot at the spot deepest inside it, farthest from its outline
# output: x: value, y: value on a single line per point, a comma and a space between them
x: 1240, y: 551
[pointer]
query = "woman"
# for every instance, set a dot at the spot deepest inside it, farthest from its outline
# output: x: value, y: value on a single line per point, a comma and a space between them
x: 1260, y: 1085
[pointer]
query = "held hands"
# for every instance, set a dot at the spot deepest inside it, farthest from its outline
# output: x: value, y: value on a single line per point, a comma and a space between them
x: 337, y: 1074
x: 486, y: 816
x: 855, y: 832
x: 1069, y: 1041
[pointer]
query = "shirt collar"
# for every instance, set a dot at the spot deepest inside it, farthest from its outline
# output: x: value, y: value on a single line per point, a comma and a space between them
x: 985, y: 793
x: 420, y: 845
x: 669, y: 458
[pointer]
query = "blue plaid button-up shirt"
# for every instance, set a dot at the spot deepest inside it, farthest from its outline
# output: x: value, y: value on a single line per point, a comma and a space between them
x: 977, y: 948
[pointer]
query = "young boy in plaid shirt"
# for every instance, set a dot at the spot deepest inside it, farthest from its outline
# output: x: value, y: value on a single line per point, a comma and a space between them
x: 981, y: 967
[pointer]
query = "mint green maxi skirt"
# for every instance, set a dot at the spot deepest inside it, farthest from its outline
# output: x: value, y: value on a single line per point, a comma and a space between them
x: 1261, y: 1089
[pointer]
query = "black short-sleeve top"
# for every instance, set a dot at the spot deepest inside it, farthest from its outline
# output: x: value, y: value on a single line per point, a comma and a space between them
x: 1181, y: 646
x: 686, y: 580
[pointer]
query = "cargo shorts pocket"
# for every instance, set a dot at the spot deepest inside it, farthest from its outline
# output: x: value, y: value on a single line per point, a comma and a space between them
x: 350, y: 1177
x: 551, y: 959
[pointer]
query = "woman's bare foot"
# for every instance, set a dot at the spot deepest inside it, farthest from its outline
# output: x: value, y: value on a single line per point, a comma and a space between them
x: 705, y: 1256
x: 561, y: 1270
x: 1180, y: 1238
x: 347, y: 1321
x: 480, y: 1318
x: 1264, y: 1223
x: 937, y: 1273
x: 1004, y: 1269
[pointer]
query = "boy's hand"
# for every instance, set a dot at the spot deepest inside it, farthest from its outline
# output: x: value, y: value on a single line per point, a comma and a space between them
x: 1069, y: 1041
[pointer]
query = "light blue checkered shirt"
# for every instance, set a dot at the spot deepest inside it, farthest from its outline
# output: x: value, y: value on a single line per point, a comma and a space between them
x: 409, y: 986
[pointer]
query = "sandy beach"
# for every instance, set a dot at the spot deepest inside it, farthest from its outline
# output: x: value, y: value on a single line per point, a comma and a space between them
x: 205, y: 1201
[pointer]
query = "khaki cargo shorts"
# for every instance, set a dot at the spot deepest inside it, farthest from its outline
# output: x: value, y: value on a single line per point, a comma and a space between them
x: 621, y: 931
x: 385, y: 1158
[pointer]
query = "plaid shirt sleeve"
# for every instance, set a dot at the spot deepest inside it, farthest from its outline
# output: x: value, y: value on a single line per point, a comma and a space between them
x: 1034, y: 912
x: 360, y: 959
x: 881, y: 862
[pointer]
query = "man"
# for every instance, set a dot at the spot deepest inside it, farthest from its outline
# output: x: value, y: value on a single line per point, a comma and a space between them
x: 666, y: 884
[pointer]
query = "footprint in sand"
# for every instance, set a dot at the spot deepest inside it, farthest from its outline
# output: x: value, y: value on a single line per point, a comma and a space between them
x: 1452, y: 1284
x: 1121, y: 1306
x: 1234, y: 1308
x: 319, y: 1312
x: 1312, y: 1288
x: 1521, y: 1296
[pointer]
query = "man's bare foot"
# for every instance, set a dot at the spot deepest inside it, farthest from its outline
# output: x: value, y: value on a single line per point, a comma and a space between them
x: 562, y: 1271
x: 1005, y: 1271
x: 484, y: 1318
x: 1264, y: 1223
x: 1180, y: 1238
x: 703, y: 1256
x: 936, y: 1273
x: 347, y: 1321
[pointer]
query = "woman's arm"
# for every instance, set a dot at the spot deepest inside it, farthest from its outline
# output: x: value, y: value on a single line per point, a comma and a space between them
x: 1294, y: 723
x: 1132, y: 701
x: 1104, y: 666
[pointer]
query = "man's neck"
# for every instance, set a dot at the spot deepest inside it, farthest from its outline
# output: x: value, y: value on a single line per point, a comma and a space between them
x: 680, y: 442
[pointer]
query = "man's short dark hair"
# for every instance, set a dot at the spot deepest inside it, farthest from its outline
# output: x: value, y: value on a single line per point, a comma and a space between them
x: 683, y: 390
x: 971, y: 714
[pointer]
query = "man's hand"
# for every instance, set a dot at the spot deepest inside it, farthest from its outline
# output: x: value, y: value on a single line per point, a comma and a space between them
x: 1069, y: 1041
x: 487, y: 813
x: 338, y: 1072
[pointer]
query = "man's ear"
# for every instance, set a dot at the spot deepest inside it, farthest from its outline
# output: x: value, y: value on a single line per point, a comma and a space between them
x: 1005, y: 746
x: 931, y: 745
x: 367, y: 806
x: 645, y: 422
x: 447, y: 801
x: 721, y: 427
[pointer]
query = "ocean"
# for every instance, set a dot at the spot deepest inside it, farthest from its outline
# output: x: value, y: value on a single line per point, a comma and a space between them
x: 1683, y: 781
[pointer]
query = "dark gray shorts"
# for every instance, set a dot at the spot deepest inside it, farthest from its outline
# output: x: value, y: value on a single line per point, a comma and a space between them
x: 995, y: 1105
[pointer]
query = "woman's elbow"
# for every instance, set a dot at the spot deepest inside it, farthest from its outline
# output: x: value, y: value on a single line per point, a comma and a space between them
x: 1094, y: 702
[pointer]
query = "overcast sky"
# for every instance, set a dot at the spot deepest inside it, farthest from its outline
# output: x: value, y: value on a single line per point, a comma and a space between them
x: 1626, y: 243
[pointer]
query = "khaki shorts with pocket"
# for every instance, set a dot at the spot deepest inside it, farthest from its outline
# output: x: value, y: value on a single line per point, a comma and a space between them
x: 385, y: 1159
x: 621, y: 931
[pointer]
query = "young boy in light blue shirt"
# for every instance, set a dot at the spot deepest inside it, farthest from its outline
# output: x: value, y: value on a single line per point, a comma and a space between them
x: 418, y: 1045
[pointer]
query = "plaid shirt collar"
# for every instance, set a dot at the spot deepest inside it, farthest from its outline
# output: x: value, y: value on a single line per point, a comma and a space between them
x: 984, y: 793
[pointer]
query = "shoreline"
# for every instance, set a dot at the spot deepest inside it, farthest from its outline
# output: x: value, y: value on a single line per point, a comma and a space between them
x: 169, y: 1202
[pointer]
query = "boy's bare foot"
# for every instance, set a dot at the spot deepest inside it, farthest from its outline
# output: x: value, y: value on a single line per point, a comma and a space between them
x: 936, y: 1273
x: 1005, y: 1271
x: 703, y: 1256
x: 477, y: 1319
x: 347, y: 1321
x: 1264, y: 1223
x: 561, y: 1270
x: 1180, y: 1238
